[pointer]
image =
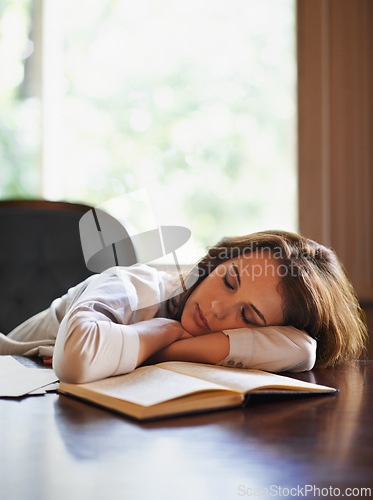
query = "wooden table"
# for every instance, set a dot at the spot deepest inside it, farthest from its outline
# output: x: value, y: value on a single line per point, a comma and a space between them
x: 55, y: 447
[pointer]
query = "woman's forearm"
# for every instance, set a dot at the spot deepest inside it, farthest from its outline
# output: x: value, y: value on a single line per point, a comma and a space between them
x: 89, y: 347
x: 210, y: 348
x: 156, y: 334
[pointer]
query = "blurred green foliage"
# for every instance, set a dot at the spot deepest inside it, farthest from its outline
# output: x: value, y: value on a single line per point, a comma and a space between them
x: 19, y: 111
x: 194, y: 101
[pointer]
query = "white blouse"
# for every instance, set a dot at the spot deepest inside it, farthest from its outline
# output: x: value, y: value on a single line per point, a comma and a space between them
x: 89, y: 330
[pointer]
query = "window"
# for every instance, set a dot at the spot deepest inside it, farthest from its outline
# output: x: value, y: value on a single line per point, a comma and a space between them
x: 193, y: 101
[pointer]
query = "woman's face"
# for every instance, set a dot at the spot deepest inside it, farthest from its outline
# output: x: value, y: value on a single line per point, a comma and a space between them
x: 241, y: 292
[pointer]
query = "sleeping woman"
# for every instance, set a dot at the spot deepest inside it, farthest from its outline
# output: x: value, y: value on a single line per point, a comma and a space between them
x: 271, y: 300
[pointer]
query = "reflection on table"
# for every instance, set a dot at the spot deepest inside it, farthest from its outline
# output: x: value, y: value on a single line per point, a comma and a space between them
x: 57, y: 444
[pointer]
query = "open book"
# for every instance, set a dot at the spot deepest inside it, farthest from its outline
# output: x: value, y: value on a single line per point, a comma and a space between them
x: 173, y: 388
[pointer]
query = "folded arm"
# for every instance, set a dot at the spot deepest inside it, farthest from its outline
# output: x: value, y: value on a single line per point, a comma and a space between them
x: 109, y: 328
x: 272, y: 348
x: 90, y: 346
x: 210, y: 348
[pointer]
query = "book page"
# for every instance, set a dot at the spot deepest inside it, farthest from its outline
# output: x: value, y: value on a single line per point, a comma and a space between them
x: 150, y: 385
x: 18, y: 380
x: 239, y: 379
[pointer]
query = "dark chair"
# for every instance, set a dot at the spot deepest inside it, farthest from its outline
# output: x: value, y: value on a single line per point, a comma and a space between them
x: 40, y: 256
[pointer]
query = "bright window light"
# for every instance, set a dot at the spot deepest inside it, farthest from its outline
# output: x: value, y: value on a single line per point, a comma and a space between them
x: 195, y: 102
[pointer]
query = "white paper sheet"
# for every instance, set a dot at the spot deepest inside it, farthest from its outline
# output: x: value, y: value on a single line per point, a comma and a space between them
x: 18, y: 380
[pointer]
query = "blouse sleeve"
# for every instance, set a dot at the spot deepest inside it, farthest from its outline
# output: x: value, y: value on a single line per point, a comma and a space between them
x: 96, y: 338
x: 271, y: 348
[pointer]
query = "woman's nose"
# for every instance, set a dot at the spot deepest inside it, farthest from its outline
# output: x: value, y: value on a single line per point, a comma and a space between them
x: 219, y: 308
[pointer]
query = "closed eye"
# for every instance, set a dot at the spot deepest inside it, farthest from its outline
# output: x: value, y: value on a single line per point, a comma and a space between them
x: 231, y: 287
x: 226, y: 282
x: 245, y: 320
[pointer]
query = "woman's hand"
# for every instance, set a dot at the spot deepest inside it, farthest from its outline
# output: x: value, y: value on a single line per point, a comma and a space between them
x: 156, y: 334
x: 210, y: 348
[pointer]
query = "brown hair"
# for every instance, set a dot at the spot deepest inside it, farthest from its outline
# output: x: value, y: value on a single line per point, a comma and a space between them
x: 317, y: 295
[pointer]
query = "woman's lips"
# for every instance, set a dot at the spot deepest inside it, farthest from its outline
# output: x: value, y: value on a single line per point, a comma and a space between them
x: 200, y: 318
